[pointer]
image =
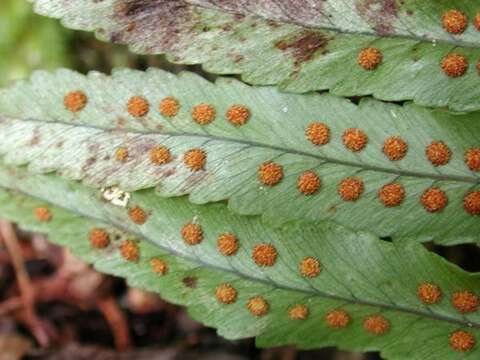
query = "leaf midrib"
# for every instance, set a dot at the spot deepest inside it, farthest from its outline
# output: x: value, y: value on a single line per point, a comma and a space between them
x: 417, y: 38
x: 372, y: 168
x: 312, y: 292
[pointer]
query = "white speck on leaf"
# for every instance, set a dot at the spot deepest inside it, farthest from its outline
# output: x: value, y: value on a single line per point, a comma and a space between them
x: 116, y: 196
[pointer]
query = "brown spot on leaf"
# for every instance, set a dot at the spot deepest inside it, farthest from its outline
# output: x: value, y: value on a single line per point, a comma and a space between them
x: 304, y: 47
x: 89, y: 162
x: 380, y: 14
x: 121, y: 122
x: 131, y: 8
x: 36, y: 137
x: 149, y: 16
x: 190, y: 282
x: 35, y: 140
x: 238, y: 58
x: 131, y: 26
x: 304, y: 11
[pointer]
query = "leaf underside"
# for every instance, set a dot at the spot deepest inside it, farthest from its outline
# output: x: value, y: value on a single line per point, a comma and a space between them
x: 314, y: 47
x: 360, y: 274
x: 36, y: 129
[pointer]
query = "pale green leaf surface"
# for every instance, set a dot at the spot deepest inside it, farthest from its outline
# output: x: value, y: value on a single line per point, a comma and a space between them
x: 360, y: 274
x: 313, y: 48
x: 37, y: 130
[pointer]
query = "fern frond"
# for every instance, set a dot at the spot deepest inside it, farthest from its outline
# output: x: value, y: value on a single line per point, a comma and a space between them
x: 311, y: 286
x: 421, y: 50
x: 398, y: 171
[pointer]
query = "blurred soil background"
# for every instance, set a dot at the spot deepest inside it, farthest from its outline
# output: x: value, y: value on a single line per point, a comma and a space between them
x: 54, y: 306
